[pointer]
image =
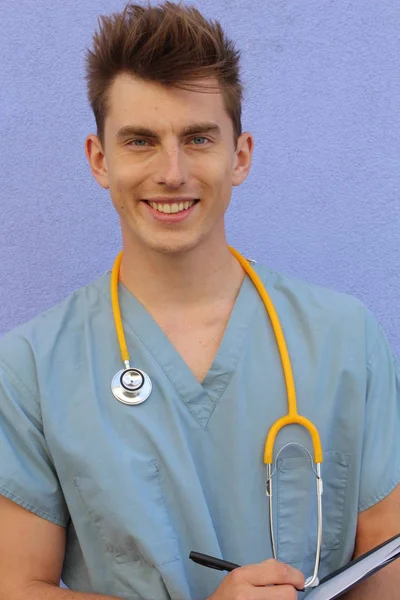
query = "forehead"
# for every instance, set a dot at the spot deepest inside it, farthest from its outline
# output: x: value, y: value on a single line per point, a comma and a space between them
x: 150, y: 104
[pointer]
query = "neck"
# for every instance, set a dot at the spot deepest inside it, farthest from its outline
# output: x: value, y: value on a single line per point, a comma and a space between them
x: 204, y: 275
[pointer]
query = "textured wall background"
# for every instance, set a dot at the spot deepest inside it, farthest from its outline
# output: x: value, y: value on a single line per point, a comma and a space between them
x: 322, y: 100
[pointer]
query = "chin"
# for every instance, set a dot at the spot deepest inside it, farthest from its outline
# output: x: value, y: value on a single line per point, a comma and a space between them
x: 173, y: 247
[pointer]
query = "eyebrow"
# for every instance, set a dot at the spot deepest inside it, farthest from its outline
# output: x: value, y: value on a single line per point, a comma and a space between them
x: 136, y: 130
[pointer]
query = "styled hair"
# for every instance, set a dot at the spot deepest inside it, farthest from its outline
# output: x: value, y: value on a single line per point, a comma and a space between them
x: 171, y: 44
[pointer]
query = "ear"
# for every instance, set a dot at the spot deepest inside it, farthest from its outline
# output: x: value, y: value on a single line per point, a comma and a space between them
x: 97, y: 160
x: 244, y: 151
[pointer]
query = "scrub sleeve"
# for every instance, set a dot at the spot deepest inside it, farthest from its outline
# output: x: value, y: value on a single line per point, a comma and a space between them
x: 380, y: 469
x: 27, y: 475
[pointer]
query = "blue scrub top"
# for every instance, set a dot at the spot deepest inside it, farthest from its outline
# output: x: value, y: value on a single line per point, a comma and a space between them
x: 139, y: 487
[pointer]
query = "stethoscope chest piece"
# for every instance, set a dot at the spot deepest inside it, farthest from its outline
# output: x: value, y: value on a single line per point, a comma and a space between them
x: 131, y: 386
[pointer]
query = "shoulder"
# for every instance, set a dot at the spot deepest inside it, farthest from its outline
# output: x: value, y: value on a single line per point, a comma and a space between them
x: 321, y: 308
x: 25, y: 346
x: 306, y: 295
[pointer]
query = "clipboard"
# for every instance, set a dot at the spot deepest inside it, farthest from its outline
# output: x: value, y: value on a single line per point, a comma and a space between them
x: 344, y: 579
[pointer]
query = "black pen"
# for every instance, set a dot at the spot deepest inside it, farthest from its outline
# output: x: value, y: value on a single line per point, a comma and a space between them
x: 212, y: 562
x: 216, y: 563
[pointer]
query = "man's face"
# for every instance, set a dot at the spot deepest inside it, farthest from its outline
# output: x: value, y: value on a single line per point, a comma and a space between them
x: 201, y: 166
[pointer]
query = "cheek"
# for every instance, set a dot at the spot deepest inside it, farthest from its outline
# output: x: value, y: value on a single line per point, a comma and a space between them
x: 121, y: 185
x: 120, y: 178
x: 225, y: 179
x: 118, y: 194
x: 215, y: 173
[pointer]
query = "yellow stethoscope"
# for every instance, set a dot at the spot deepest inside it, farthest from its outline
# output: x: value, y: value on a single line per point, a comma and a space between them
x: 133, y: 386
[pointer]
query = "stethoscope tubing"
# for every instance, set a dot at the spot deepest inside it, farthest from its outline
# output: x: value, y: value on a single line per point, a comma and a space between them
x: 139, y: 393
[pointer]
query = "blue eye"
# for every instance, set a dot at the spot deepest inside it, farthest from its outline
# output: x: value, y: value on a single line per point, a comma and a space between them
x: 138, y: 140
x: 200, y: 138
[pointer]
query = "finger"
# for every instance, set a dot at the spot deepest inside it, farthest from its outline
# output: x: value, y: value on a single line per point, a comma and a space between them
x: 269, y: 572
x: 277, y: 592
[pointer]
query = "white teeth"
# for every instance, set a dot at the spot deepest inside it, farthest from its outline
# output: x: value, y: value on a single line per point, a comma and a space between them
x: 171, y: 208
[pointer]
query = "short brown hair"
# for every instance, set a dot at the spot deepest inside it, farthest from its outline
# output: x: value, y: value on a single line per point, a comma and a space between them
x: 171, y: 44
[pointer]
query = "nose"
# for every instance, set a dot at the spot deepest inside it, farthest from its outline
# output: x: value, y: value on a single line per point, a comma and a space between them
x: 171, y: 168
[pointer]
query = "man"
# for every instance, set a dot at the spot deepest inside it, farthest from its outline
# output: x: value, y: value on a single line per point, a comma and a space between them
x: 113, y: 496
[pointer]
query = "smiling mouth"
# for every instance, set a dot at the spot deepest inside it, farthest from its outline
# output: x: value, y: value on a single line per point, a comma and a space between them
x: 171, y: 207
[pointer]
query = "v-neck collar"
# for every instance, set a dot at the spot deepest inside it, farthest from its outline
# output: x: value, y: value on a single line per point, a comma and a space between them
x: 200, y: 398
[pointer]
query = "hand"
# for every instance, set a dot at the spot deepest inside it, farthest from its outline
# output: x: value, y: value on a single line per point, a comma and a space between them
x: 269, y: 580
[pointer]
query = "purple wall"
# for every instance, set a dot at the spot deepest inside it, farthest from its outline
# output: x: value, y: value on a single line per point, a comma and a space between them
x: 322, y: 100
